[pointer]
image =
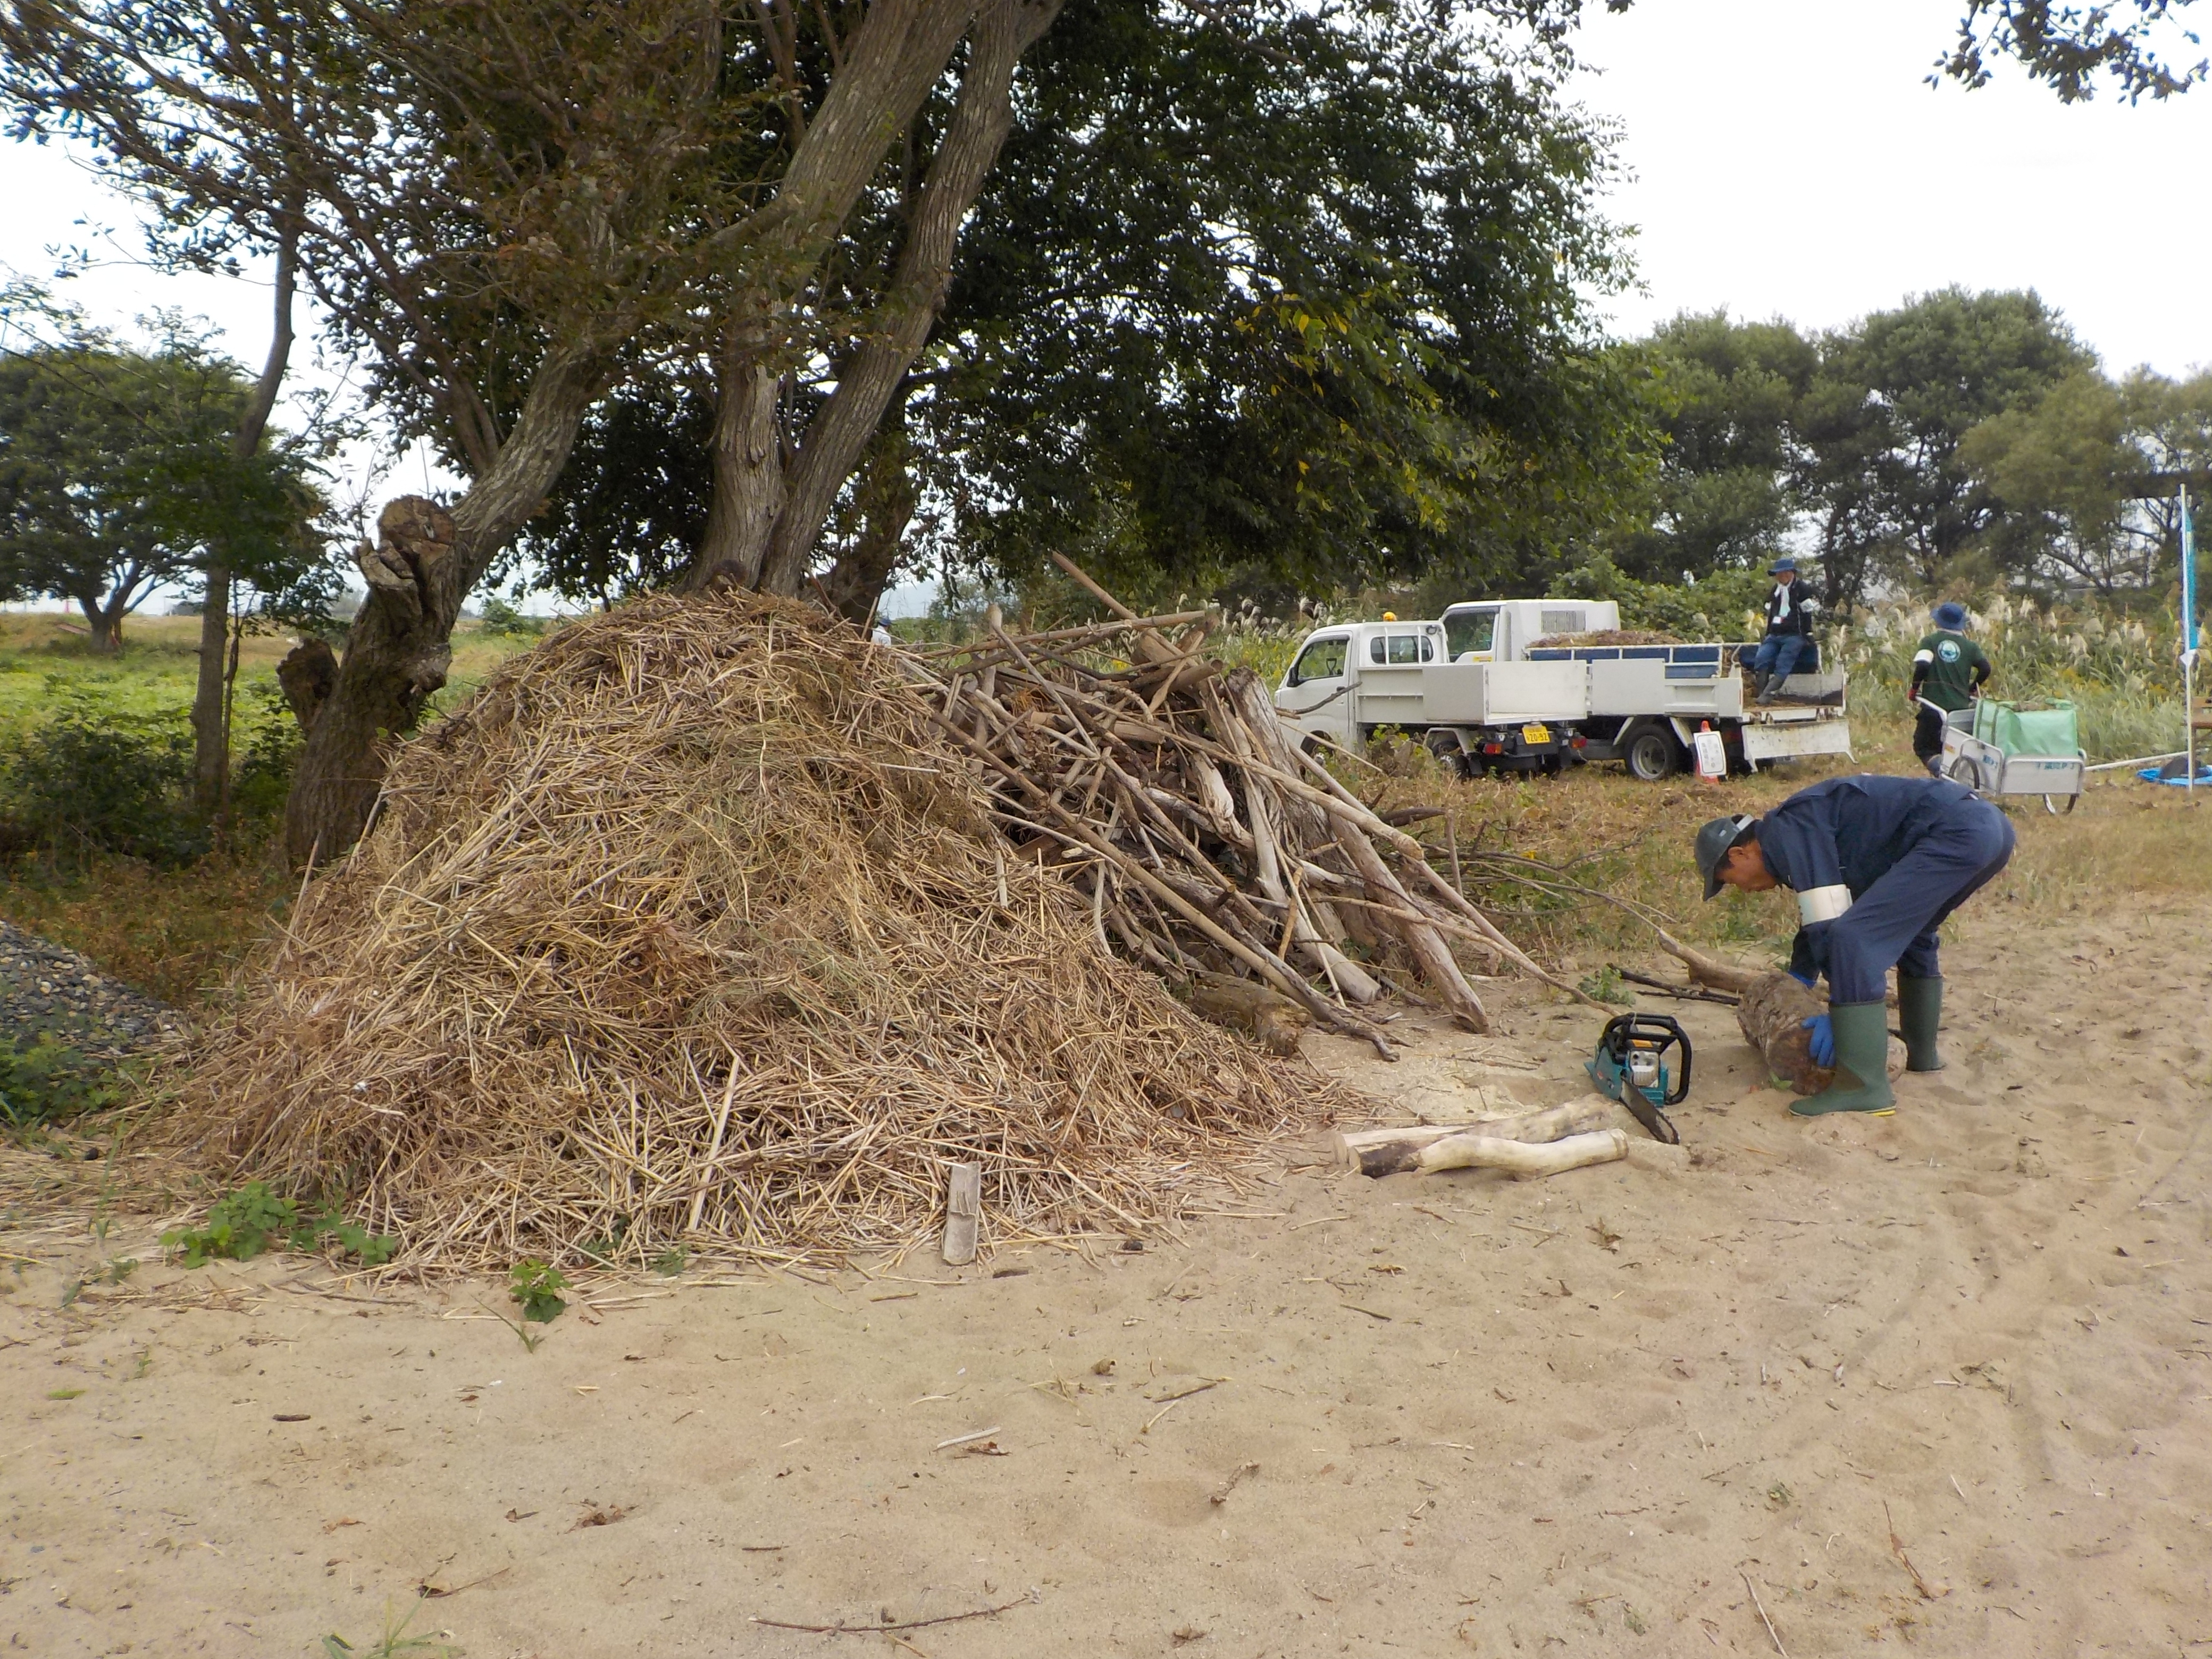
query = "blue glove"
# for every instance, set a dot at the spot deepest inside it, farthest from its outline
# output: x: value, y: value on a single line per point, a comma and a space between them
x: 1806, y: 980
x: 1824, y: 1039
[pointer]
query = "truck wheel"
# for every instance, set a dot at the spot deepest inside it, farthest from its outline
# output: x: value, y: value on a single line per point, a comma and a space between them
x: 1652, y: 753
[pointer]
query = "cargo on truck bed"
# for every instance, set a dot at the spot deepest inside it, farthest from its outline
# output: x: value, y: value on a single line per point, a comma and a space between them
x: 1479, y: 688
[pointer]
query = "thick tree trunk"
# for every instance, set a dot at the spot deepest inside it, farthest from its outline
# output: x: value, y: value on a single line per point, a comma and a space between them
x: 891, y: 64
x: 423, y: 567
x: 748, y: 459
x: 868, y: 379
x: 886, y: 497
x: 210, y: 701
x: 103, y: 618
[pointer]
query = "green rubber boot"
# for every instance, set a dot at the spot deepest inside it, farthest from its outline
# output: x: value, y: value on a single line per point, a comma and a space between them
x: 1861, y: 1079
x: 1920, y: 1015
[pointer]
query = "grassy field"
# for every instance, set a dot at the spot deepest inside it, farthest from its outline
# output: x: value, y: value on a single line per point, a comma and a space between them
x: 178, y: 933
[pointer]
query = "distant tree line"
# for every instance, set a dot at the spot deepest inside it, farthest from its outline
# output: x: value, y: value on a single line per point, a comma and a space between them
x: 1959, y: 441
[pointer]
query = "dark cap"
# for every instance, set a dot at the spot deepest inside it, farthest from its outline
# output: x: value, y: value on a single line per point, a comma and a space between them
x: 1713, y: 843
x: 1951, y: 617
x: 1787, y: 562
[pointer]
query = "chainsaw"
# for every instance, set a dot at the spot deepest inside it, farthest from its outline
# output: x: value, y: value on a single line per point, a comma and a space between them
x: 1631, y: 1067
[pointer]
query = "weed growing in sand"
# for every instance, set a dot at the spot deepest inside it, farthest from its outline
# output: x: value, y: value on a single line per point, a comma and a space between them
x: 671, y: 1262
x: 1605, y: 986
x: 49, y: 1082
x: 538, y: 1287
x: 393, y: 1643
x: 252, y: 1219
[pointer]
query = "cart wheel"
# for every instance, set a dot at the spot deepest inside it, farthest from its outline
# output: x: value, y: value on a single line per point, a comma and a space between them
x: 2072, y: 801
x: 1962, y: 769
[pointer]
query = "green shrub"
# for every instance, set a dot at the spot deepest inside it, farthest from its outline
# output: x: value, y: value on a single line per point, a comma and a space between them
x: 50, y: 1082
x: 252, y: 1219
x: 90, y: 781
x: 270, y: 750
x: 497, y: 615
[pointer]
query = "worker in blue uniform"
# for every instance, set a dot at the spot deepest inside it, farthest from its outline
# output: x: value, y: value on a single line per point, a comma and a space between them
x: 1877, y: 863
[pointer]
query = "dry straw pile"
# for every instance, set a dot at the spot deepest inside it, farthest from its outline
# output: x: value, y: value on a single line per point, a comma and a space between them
x: 693, y: 927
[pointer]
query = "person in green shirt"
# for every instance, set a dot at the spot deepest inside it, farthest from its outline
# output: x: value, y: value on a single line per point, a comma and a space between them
x: 1948, y: 670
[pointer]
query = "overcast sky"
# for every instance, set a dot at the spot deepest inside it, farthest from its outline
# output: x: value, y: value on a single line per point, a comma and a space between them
x: 1787, y: 159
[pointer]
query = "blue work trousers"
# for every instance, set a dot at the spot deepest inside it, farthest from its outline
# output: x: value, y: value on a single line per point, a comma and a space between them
x: 1778, y: 654
x: 1895, y: 921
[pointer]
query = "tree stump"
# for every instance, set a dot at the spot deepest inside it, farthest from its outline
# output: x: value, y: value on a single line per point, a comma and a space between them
x: 1772, y: 1014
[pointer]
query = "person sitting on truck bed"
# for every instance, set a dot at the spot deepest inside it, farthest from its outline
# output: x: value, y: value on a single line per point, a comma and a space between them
x: 1877, y: 863
x: 1788, y: 630
x: 1948, y: 671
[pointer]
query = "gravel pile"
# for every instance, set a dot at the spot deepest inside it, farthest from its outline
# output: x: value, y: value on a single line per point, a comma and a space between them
x: 46, y: 990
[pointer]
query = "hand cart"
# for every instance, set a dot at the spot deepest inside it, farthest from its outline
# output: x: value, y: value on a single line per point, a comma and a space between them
x: 2010, y: 749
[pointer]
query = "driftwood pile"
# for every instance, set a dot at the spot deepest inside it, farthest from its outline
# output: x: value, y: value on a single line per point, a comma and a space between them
x: 1204, y: 841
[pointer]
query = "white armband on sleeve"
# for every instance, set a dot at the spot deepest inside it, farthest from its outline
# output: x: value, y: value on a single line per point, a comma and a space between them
x: 1822, y: 904
x: 1924, y: 656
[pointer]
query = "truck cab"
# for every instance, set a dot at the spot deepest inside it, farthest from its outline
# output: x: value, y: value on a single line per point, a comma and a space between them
x: 1377, y: 664
x: 1500, y: 630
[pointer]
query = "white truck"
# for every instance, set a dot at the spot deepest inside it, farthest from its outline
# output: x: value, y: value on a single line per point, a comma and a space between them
x: 1478, y: 688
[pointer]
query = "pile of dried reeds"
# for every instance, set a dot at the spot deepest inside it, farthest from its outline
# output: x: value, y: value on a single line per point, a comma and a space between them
x: 694, y: 928
x: 1202, y: 837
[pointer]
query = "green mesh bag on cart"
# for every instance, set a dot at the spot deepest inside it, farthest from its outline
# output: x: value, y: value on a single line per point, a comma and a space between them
x: 2048, y: 729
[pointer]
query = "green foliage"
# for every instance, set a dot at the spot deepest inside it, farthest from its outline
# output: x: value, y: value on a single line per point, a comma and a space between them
x: 49, y: 1082
x: 1360, y: 351
x: 501, y: 618
x: 1605, y: 986
x: 538, y: 1287
x: 1723, y: 495
x: 268, y: 756
x: 242, y: 1225
x: 1722, y: 605
x: 671, y: 1262
x: 118, y: 472
x: 90, y: 781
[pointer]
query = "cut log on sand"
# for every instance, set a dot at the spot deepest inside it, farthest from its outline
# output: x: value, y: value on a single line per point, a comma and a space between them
x: 1392, y: 1152
x: 1520, y: 1159
x: 1772, y: 1014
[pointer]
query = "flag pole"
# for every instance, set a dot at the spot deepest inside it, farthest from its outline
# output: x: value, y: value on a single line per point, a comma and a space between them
x: 2189, y: 640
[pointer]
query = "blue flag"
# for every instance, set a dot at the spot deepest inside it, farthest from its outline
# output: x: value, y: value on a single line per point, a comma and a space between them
x: 2188, y: 576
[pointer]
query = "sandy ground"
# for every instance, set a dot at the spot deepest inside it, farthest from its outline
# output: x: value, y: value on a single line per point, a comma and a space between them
x: 1940, y: 1379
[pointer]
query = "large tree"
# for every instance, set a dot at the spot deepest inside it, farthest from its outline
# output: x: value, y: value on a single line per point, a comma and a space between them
x: 1895, y: 395
x: 120, y: 472
x: 1725, y: 495
x: 1277, y: 292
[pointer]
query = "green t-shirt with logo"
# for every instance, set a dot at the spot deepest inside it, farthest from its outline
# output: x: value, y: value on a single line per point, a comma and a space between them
x: 1951, y: 663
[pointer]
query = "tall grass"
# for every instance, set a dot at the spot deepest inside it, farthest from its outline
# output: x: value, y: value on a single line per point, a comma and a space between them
x: 2122, y: 676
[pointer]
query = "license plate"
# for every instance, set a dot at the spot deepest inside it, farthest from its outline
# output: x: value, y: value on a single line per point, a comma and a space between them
x: 1535, y: 734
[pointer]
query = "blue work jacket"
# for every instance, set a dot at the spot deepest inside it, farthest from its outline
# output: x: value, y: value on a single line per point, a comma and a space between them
x: 1848, y: 832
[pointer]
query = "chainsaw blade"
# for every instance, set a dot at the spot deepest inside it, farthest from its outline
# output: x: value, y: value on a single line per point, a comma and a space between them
x: 1661, y: 1127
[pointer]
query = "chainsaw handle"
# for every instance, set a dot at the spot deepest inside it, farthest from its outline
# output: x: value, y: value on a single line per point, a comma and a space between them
x: 1664, y: 1032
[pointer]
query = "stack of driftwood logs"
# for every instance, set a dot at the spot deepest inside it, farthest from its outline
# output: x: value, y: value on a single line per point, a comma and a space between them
x: 1209, y: 845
